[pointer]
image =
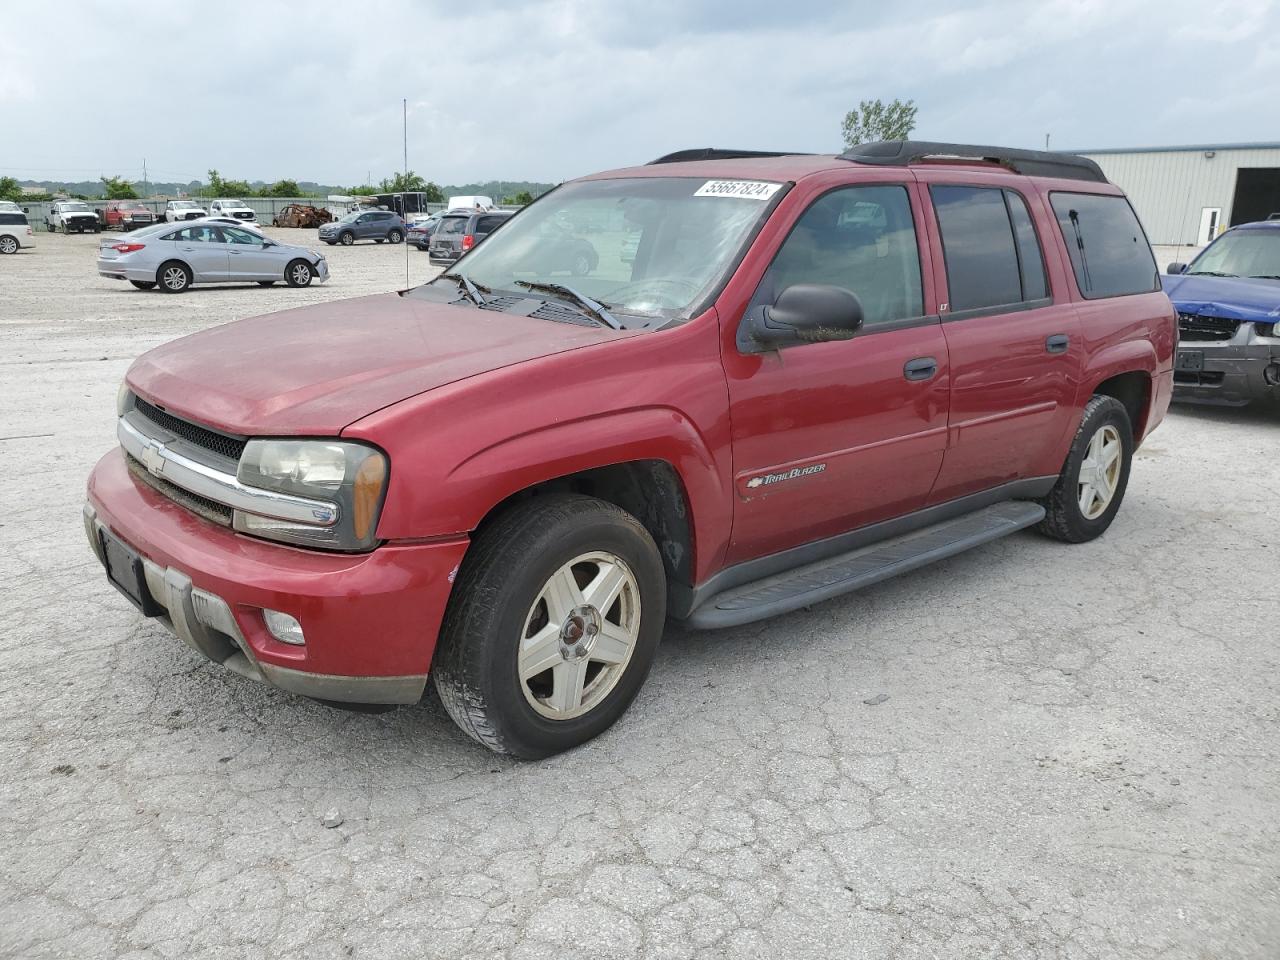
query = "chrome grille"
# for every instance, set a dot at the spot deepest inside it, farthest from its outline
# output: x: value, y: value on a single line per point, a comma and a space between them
x: 201, y: 506
x: 220, y: 443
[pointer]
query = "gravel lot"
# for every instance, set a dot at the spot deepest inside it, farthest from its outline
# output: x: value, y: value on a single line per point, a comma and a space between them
x: 1077, y: 756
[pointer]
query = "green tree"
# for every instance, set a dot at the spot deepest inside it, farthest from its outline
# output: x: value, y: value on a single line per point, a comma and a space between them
x: 117, y: 188
x: 217, y: 186
x: 875, y: 120
x: 282, y: 188
x: 403, y: 183
x: 9, y: 189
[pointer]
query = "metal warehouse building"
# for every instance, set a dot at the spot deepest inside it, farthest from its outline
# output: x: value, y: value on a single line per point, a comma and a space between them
x: 1187, y: 195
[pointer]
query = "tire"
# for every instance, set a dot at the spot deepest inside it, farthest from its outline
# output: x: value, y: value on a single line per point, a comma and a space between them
x: 395, y: 236
x: 8, y: 245
x: 1105, y: 422
x: 501, y: 595
x: 144, y: 284
x: 174, y: 276
x: 51, y: 227
x: 299, y: 273
x: 346, y: 238
x: 581, y: 265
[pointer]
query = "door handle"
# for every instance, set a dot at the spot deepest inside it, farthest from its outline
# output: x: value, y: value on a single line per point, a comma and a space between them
x: 921, y: 368
x: 1058, y: 343
x: 235, y: 253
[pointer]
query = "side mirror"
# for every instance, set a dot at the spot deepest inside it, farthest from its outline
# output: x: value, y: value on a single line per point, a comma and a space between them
x: 803, y: 313
x: 1176, y: 268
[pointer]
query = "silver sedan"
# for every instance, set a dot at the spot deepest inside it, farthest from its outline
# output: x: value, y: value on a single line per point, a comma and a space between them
x: 173, y: 256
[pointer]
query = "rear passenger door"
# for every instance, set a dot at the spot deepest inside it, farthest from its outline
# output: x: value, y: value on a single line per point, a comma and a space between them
x: 1013, y: 340
x: 204, y: 250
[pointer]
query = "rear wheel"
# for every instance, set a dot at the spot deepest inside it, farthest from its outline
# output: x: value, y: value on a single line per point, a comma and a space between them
x: 173, y: 277
x: 298, y: 273
x: 552, y: 626
x: 144, y: 284
x: 1091, y: 486
x: 8, y: 245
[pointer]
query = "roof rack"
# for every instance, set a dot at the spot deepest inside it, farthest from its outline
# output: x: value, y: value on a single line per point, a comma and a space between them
x: 714, y: 153
x: 1034, y: 163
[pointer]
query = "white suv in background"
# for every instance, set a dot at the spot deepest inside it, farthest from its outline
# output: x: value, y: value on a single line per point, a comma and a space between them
x: 176, y: 210
x: 15, y: 232
x: 236, y: 209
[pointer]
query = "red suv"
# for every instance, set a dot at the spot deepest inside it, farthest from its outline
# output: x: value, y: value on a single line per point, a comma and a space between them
x: 806, y: 375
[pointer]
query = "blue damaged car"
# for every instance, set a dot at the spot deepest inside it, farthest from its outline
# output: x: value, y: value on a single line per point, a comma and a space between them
x: 1228, y: 303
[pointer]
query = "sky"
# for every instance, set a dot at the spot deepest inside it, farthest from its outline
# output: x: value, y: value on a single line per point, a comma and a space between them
x: 547, y: 90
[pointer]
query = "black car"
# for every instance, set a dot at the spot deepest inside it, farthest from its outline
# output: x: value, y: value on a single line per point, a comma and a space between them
x: 459, y: 232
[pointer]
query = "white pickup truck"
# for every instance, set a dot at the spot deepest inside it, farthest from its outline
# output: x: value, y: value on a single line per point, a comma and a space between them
x: 72, y: 216
x: 176, y: 210
x: 237, y: 209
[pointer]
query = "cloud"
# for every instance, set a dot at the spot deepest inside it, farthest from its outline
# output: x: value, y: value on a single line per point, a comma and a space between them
x: 554, y: 89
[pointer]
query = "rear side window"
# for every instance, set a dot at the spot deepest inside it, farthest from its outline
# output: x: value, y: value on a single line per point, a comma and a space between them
x: 992, y: 255
x: 1109, y: 252
x: 488, y: 224
x: 13, y: 219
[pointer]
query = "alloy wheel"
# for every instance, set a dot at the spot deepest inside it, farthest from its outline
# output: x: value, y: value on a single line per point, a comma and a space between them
x: 175, y: 278
x: 579, y: 636
x: 1100, y: 472
x: 8, y: 245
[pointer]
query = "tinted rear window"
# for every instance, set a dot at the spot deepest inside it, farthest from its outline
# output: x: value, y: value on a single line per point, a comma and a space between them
x: 13, y: 219
x: 453, y: 225
x: 1109, y: 252
x: 977, y: 242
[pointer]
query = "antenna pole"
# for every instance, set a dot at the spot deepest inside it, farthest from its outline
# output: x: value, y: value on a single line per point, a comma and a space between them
x: 404, y: 106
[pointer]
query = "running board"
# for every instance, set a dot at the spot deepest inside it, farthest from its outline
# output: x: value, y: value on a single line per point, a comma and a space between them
x: 863, y: 567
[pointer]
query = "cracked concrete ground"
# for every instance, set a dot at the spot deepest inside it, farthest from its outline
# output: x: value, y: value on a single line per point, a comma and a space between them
x: 1077, y: 757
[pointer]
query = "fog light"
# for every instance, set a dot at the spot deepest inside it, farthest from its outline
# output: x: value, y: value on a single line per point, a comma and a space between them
x: 283, y: 627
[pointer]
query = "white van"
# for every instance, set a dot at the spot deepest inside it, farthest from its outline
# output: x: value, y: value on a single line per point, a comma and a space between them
x: 237, y: 209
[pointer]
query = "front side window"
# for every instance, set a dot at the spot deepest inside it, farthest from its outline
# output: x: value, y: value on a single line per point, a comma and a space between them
x: 235, y: 235
x: 1109, y: 252
x: 859, y: 238
x: 649, y: 247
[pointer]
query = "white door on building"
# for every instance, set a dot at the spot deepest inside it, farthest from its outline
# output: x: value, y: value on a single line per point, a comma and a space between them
x: 1210, y: 218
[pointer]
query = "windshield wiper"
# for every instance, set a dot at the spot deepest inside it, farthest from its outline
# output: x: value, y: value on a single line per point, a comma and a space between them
x: 593, y: 309
x: 471, y: 290
x: 1209, y: 273
x: 1264, y: 276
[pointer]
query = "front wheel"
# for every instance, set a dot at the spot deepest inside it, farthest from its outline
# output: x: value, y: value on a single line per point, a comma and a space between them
x: 347, y: 238
x: 1091, y: 486
x: 552, y: 626
x: 298, y: 273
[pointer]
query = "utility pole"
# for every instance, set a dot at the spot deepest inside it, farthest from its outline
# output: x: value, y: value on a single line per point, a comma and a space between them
x: 1046, y: 141
x: 404, y: 106
x: 145, y: 191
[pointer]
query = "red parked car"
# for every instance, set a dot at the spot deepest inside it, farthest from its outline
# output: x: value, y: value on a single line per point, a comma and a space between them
x: 808, y: 374
x: 127, y: 215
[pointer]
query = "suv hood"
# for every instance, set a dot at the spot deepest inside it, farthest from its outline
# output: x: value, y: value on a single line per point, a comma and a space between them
x: 1232, y: 298
x: 315, y: 370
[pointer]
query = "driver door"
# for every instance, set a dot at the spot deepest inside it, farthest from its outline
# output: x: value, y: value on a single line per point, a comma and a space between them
x: 828, y: 437
x: 250, y: 258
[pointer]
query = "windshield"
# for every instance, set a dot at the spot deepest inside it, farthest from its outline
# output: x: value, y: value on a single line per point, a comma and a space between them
x: 183, y: 205
x: 653, y: 246
x: 351, y: 217
x: 75, y: 207
x: 1241, y: 253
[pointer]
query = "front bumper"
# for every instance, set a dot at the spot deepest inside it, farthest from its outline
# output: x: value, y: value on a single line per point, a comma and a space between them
x: 1232, y: 372
x: 370, y: 620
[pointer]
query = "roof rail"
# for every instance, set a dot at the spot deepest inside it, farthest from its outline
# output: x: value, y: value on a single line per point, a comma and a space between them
x: 1033, y: 163
x: 714, y: 153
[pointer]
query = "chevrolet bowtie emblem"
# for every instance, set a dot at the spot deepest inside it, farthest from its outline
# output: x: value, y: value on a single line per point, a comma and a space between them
x: 152, y: 457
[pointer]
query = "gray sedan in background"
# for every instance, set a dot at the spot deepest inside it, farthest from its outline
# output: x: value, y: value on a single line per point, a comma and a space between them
x: 173, y: 256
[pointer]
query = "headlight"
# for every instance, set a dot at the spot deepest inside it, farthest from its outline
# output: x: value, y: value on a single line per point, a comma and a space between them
x: 351, y: 476
x: 122, y: 399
